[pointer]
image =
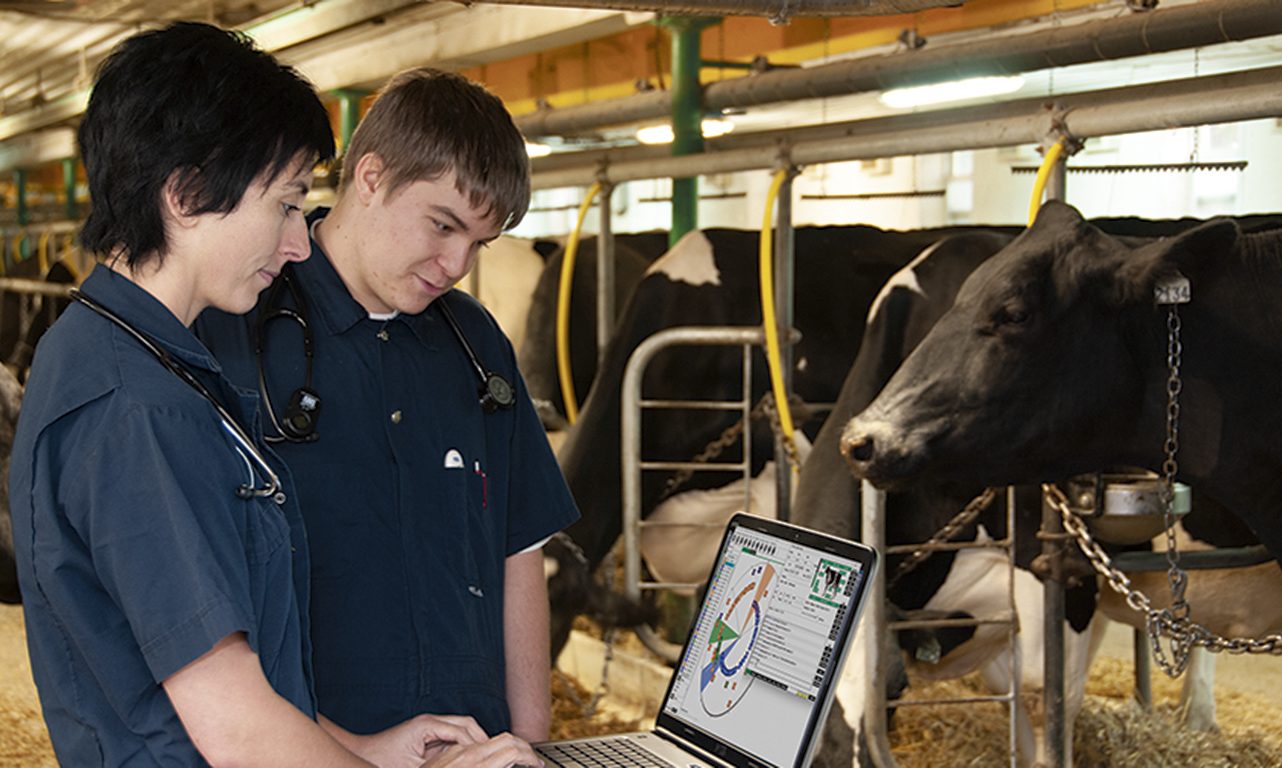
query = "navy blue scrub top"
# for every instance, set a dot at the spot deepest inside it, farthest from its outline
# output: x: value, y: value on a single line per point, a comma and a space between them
x: 135, y: 555
x: 412, y: 495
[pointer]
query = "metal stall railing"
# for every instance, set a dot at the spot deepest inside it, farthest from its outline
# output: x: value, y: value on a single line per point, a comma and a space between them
x: 876, y: 626
x: 630, y: 446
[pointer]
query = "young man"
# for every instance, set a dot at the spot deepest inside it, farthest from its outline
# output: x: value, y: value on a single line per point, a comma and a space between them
x: 160, y: 549
x: 425, y: 479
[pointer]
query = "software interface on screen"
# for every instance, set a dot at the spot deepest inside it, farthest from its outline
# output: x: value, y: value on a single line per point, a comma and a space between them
x: 763, y: 644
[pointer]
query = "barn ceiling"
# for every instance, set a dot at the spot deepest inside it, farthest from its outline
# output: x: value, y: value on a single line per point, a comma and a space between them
x: 49, y: 48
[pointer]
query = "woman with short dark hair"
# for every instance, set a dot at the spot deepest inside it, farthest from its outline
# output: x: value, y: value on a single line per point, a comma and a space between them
x: 160, y: 549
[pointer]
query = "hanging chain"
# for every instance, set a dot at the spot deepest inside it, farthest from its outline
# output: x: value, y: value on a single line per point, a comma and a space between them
x: 764, y: 407
x: 776, y: 428
x: 950, y: 529
x: 1174, y: 623
x: 1183, y: 633
x: 1177, y: 577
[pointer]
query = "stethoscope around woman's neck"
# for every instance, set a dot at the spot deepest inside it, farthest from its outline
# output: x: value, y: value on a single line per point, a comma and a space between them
x: 273, y: 488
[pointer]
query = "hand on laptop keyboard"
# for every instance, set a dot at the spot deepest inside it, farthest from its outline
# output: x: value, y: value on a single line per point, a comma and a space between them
x: 502, y: 751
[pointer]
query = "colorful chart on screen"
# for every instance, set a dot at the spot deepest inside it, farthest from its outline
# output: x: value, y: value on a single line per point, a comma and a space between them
x: 723, y: 678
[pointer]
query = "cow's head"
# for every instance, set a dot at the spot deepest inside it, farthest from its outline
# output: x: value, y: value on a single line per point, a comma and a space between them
x: 1039, y: 368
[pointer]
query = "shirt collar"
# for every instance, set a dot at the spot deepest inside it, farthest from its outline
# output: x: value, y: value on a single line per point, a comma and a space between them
x: 131, y: 303
x: 326, y: 295
x: 328, y: 298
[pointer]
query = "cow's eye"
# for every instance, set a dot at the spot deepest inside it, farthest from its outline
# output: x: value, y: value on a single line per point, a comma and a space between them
x: 1009, y: 316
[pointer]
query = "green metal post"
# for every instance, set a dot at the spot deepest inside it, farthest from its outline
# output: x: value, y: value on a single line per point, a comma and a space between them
x: 349, y: 115
x: 24, y: 216
x: 69, y: 188
x: 687, y: 117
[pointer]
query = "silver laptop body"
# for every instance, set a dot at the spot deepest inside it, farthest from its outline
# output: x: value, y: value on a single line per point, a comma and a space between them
x: 761, y: 663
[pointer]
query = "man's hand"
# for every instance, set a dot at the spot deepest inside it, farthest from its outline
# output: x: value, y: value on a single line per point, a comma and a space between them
x: 502, y: 751
x: 415, y: 740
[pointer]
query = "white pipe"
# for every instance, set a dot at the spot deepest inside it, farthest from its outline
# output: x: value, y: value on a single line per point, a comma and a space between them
x: 1195, y: 101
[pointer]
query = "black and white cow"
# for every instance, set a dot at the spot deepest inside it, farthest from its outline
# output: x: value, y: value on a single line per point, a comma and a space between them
x: 633, y: 254
x: 1053, y: 362
x: 973, y: 583
x: 710, y: 278
x: 704, y: 281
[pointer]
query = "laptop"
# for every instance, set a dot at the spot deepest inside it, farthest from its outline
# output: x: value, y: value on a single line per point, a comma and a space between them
x: 760, y: 666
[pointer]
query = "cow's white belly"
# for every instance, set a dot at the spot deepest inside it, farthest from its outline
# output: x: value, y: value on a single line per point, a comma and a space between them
x: 683, y: 554
x: 977, y: 583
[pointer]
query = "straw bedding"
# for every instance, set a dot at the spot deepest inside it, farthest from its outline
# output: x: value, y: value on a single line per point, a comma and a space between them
x: 1111, y: 731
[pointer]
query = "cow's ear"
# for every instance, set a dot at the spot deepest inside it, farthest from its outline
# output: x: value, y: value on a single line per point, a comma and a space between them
x: 1192, y: 254
x: 1058, y: 216
x: 545, y: 248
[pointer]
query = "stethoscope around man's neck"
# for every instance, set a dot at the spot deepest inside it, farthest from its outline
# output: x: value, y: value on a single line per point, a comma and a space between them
x: 297, y: 423
x: 245, y: 445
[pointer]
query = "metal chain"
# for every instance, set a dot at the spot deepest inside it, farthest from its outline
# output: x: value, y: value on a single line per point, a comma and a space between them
x: 1173, y: 623
x: 764, y: 407
x: 1175, y: 575
x: 950, y: 529
x: 1183, y: 633
x: 776, y: 427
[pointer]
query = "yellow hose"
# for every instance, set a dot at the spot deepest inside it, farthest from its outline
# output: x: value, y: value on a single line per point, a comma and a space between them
x: 769, y: 323
x: 563, y: 310
x: 42, y: 252
x: 1043, y: 175
x: 69, y: 243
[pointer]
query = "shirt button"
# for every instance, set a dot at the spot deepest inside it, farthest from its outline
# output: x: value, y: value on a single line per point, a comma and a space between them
x: 396, y: 417
x: 382, y: 334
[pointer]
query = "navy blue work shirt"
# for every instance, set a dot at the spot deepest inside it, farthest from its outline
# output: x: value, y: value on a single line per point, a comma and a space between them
x: 413, y: 496
x: 135, y: 556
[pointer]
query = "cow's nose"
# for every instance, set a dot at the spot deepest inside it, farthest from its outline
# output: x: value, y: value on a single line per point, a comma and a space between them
x: 857, y: 447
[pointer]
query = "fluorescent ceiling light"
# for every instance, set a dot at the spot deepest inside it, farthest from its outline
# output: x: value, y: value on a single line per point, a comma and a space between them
x: 956, y: 90
x: 662, y: 134
x: 537, y: 150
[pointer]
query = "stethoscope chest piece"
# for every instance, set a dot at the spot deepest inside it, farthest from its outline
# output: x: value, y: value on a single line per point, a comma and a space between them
x: 496, y: 393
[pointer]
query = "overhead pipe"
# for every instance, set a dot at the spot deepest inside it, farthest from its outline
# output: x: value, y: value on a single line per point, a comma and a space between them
x: 778, y: 11
x: 1204, y: 100
x: 1186, y: 26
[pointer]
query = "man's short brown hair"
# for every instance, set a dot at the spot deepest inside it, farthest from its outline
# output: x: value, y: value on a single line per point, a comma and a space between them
x: 426, y: 123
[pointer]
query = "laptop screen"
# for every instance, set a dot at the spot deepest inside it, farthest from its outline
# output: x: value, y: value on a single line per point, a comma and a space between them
x: 764, y: 650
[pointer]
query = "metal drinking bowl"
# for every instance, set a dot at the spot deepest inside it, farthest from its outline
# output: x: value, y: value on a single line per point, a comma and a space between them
x: 1132, y: 511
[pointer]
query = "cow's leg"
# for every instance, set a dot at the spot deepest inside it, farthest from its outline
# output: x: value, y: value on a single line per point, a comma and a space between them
x: 849, y: 709
x: 1030, y: 647
x: 1197, y: 699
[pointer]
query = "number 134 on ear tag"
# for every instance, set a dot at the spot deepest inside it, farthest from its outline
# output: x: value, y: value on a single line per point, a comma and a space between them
x: 1173, y: 290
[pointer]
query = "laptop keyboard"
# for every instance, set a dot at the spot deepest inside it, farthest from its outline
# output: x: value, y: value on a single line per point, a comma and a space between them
x: 602, y: 753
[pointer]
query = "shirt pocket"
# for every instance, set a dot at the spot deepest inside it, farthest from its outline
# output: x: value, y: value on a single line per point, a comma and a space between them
x: 480, y: 582
x: 266, y: 529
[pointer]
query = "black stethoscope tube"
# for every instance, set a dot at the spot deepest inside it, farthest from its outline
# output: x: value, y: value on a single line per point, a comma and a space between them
x: 245, y: 491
